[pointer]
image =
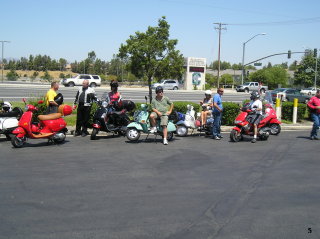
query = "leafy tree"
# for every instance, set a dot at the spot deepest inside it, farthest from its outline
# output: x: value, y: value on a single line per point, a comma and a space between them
x: 271, y: 77
x: 236, y: 66
x: 226, y: 79
x: 304, y: 75
x: 293, y: 66
x: 223, y: 65
x: 152, y: 54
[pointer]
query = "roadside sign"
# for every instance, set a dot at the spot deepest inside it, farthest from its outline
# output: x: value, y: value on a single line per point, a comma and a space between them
x: 257, y: 64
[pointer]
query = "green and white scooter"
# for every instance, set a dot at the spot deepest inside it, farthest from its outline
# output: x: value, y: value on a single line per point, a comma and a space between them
x: 142, y: 124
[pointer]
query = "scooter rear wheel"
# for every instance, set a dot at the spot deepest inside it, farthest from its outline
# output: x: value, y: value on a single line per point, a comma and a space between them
x: 133, y: 134
x: 17, y: 142
x: 94, y: 134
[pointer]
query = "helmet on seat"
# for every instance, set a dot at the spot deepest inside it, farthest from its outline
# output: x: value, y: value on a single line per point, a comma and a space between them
x: 7, y: 107
x: 159, y: 89
x: 255, y: 95
x: 59, y: 99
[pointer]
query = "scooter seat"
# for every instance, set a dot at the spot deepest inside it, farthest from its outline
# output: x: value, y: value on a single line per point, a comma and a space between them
x: 52, y: 116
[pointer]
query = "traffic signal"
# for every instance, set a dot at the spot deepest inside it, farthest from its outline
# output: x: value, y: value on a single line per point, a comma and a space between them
x: 289, y: 54
x: 315, y: 52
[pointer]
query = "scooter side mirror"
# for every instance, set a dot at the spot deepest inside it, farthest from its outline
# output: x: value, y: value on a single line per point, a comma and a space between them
x: 24, y: 100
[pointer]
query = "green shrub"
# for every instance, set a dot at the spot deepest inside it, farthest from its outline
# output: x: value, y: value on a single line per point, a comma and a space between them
x: 12, y: 75
x: 230, y: 112
x: 287, y: 111
x: 181, y: 106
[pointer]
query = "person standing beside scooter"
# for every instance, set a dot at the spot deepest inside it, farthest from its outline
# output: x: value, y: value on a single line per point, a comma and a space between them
x: 256, y: 115
x: 314, y: 105
x: 162, y: 108
x: 52, y: 106
x: 84, y: 99
x: 217, y: 114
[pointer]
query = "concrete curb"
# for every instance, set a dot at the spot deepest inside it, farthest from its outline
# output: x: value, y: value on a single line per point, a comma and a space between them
x: 224, y: 129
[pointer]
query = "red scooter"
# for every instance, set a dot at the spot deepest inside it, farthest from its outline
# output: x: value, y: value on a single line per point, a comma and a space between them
x: 51, y: 126
x: 244, y: 127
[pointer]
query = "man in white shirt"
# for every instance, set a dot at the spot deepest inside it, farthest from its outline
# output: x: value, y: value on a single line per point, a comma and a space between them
x: 256, y: 107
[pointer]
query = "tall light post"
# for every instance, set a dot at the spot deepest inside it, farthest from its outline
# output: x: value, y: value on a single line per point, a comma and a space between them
x: 243, y: 52
x: 2, y: 57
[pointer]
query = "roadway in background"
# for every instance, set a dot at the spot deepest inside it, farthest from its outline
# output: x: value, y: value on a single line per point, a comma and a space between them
x: 15, y: 92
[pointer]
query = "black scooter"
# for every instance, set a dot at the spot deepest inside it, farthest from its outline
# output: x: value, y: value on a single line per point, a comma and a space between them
x: 112, y: 117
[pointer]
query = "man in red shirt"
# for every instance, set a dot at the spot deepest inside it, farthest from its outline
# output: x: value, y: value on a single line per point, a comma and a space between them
x: 314, y: 105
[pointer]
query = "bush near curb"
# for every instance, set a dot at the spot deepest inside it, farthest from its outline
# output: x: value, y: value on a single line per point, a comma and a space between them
x: 287, y: 111
x: 230, y: 112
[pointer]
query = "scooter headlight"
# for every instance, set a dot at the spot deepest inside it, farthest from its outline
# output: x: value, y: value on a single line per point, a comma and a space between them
x: 104, y: 104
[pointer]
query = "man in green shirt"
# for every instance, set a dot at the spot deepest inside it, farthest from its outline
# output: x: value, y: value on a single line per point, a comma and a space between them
x: 162, y: 108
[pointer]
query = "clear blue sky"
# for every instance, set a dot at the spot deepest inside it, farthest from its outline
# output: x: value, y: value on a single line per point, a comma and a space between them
x: 70, y: 29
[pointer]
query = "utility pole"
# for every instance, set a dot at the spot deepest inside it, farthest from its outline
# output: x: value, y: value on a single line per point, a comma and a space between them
x: 219, y: 27
x: 2, y: 57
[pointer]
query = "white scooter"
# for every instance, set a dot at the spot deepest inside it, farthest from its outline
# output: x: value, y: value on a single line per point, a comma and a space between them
x: 190, y: 122
x: 9, y: 119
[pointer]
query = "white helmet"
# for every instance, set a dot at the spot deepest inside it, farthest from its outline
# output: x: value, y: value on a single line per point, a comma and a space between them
x: 208, y: 92
x: 7, y: 107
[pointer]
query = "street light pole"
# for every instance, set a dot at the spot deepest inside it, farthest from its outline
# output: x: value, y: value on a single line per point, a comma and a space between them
x: 2, y: 57
x: 243, y: 52
x: 316, y: 70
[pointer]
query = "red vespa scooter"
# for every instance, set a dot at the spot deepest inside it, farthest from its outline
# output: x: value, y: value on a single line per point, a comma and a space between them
x: 244, y: 127
x: 51, y: 126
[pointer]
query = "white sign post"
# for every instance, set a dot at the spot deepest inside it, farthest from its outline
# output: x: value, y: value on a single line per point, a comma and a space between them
x: 195, y: 76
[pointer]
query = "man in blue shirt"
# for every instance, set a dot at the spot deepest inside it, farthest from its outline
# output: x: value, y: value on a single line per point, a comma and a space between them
x: 217, y: 114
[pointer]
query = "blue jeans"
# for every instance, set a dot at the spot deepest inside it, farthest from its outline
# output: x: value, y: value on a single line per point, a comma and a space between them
x: 216, y: 124
x: 316, y: 123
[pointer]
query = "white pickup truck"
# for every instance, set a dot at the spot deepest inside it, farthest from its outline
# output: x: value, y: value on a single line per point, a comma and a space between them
x: 251, y: 86
x: 94, y: 80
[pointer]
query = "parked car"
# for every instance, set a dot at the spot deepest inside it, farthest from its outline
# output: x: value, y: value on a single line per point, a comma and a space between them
x: 167, y: 84
x: 94, y: 80
x: 288, y: 94
x: 309, y: 91
x: 251, y: 86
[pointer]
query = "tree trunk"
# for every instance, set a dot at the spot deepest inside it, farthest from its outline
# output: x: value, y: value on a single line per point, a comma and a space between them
x: 150, y: 90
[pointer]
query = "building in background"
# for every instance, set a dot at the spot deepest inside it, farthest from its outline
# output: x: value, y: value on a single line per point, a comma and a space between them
x: 195, y: 76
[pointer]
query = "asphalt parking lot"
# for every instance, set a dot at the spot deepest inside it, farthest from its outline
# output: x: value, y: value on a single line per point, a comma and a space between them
x: 193, y: 188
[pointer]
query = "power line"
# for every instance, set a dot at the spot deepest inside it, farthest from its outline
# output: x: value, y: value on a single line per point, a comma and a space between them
x: 291, y: 22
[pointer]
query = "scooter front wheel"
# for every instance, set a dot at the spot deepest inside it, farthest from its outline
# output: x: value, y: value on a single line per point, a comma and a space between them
x: 182, y: 131
x: 275, y: 129
x: 94, y: 134
x: 235, y: 136
x: 133, y: 134
x: 17, y: 142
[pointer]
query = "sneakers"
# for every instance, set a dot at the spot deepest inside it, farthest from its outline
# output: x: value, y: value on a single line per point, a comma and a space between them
x: 216, y: 137
x: 314, y: 138
x: 253, y: 140
x: 165, y: 141
x: 76, y: 133
x: 153, y: 130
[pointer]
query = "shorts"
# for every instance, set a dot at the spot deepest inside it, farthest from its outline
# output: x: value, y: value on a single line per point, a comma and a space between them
x: 254, y: 118
x: 163, y: 119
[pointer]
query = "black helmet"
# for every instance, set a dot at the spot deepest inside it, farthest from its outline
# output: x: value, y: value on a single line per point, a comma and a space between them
x: 114, y: 83
x: 158, y: 89
x: 255, y: 95
x: 59, y: 99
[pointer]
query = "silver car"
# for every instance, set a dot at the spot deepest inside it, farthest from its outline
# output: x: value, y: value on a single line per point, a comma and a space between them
x: 167, y: 84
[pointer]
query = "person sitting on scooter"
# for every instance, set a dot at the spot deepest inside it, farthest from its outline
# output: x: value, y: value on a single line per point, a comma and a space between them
x: 162, y: 108
x: 256, y: 116
x: 114, y: 96
x: 206, y: 107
